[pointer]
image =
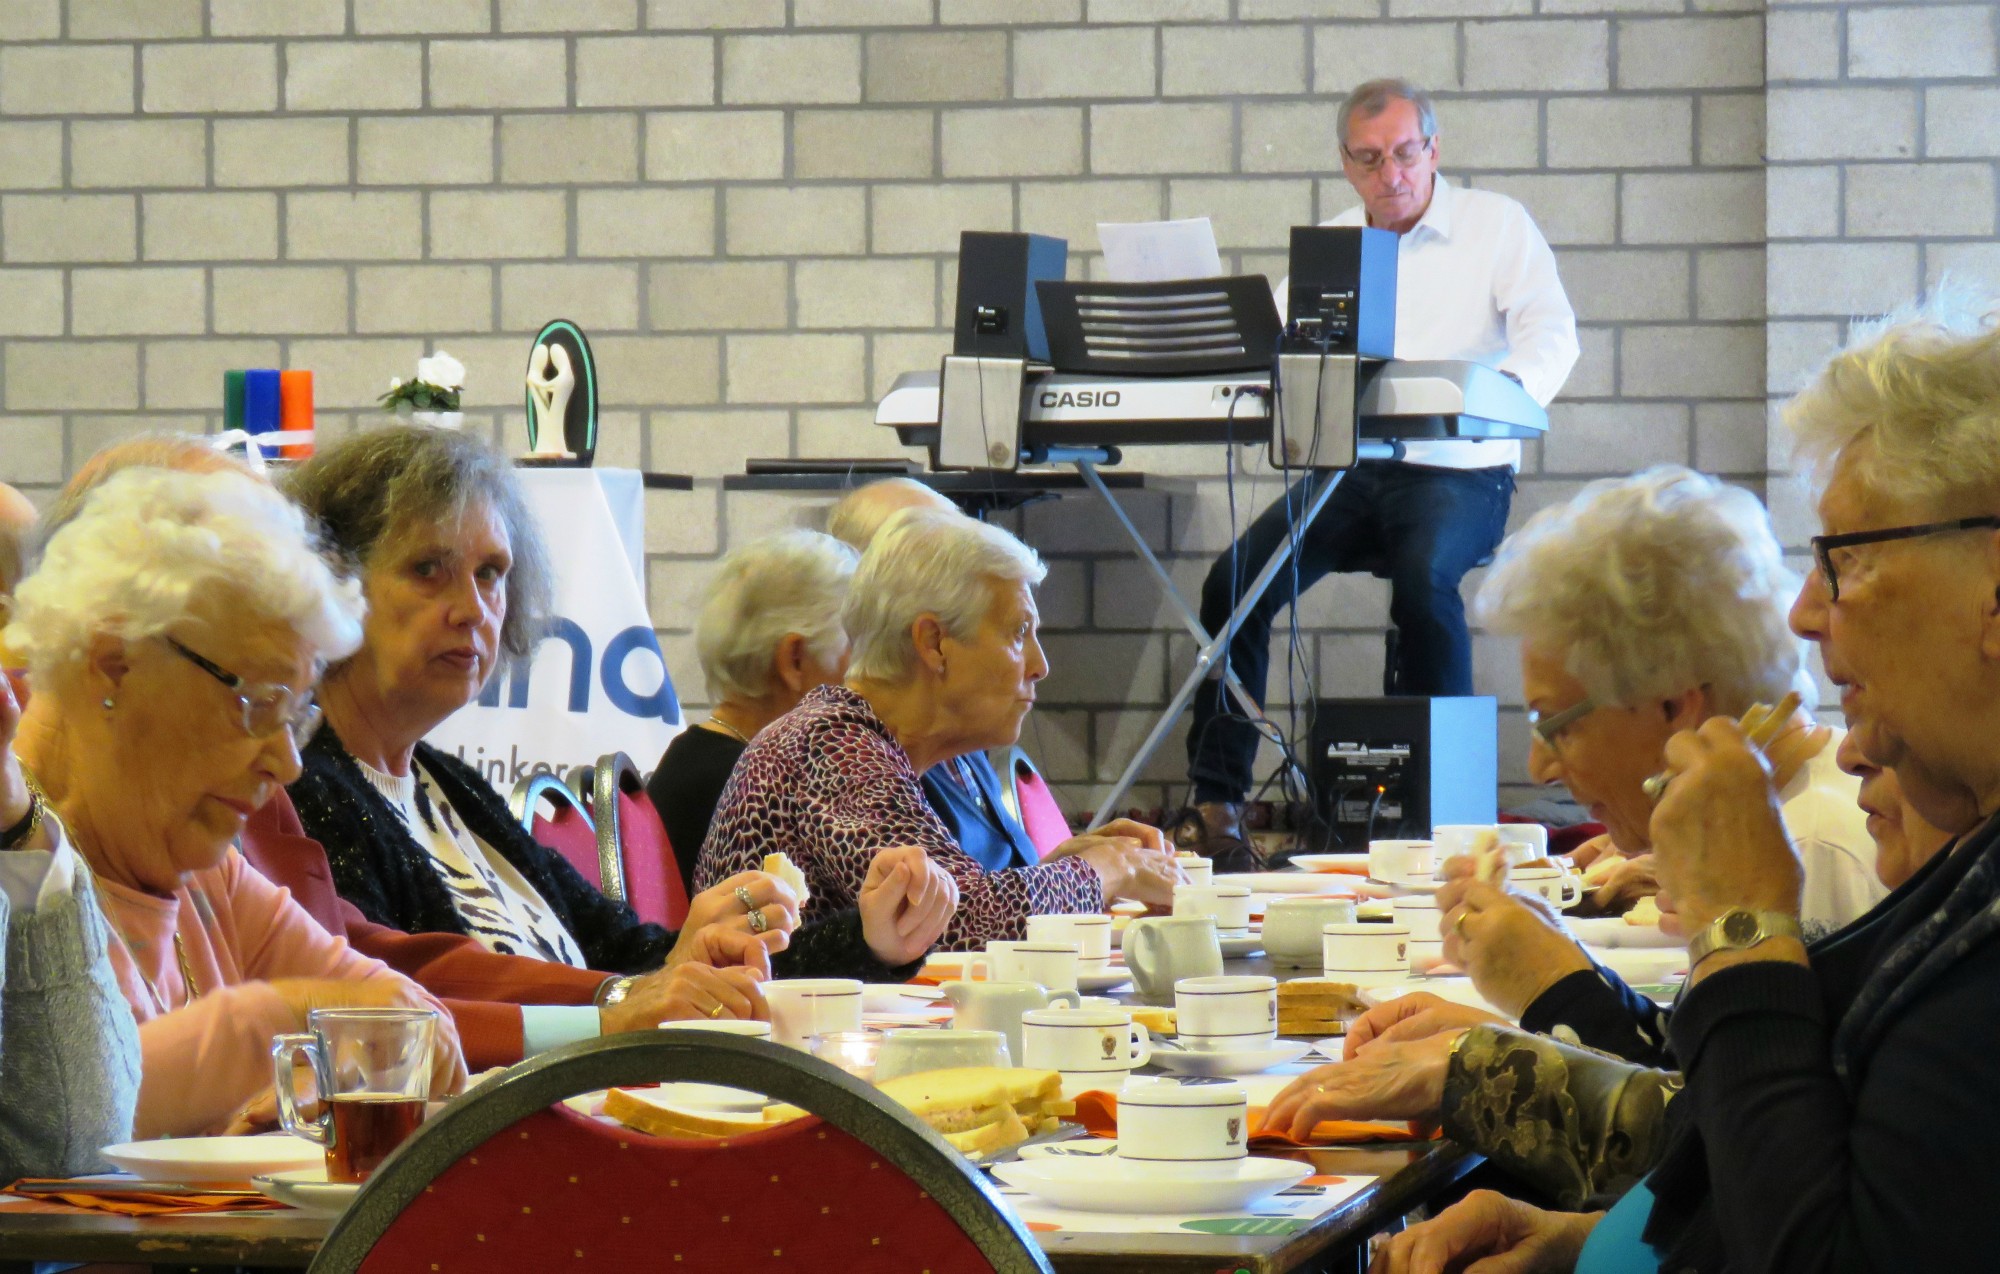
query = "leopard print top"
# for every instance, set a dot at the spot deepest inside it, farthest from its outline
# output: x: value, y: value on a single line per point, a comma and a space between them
x: 827, y: 785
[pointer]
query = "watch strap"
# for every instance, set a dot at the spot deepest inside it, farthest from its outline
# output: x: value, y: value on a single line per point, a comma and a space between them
x: 1739, y: 929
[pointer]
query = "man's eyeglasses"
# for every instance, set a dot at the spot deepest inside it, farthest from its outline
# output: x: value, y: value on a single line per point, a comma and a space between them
x: 1548, y: 729
x: 1824, y: 545
x: 265, y: 706
x: 1404, y: 156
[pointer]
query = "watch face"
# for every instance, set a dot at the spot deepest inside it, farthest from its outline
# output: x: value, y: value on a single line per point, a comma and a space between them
x: 1739, y: 928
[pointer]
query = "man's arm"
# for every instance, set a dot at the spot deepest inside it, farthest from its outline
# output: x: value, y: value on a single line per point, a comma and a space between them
x: 1541, y: 326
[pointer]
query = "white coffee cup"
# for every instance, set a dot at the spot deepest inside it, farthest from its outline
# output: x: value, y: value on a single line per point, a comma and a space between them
x: 1050, y: 964
x: 1559, y: 887
x: 907, y: 1051
x: 1198, y: 870
x: 1166, y: 1121
x: 998, y: 1006
x: 1229, y: 904
x: 1419, y: 914
x: 1364, y: 948
x: 1232, y: 1012
x: 1083, y: 1041
x: 1292, y: 927
x: 1398, y: 860
x: 1161, y: 950
x: 748, y: 1027
x: 812, y: 1006
x: 1090, y: 931
x: 1524, y: 842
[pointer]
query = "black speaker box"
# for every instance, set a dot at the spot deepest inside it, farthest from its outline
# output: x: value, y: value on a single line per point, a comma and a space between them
x: 999, y: 315
x: 1342, y: 295
x: 1395, y: 767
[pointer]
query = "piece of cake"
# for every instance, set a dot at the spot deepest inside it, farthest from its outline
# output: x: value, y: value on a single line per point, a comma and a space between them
x: 1318, y: 1006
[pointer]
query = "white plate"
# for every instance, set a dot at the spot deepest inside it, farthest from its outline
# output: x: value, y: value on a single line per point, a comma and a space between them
x: 1612, y: 931
x: 1326, y: 863
x: 1289, y: 882
x: 198, y: 1159
x: 1101, y: 1183
x: 1110, y: 979
x: 1233, y: 1061
x: 1424, y: 884
x: 1074, y: 1148
x: 307, y: 1189
x: 1236, y: 948
x: 703, y: 1098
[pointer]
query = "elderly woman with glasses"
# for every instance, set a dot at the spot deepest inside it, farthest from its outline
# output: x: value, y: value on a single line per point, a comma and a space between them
x: 945, y: 662
x: 1832, y: 1087
x: 435, y: 524
x: 174, y: 632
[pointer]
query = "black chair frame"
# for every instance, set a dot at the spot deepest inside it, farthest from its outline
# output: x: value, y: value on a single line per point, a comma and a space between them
x: 650, y: 1057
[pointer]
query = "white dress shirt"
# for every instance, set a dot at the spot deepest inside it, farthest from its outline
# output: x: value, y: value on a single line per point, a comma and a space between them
x: 1476, y: 281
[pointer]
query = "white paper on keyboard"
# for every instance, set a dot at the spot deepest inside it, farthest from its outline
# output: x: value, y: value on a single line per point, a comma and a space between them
x: 1159, y: 251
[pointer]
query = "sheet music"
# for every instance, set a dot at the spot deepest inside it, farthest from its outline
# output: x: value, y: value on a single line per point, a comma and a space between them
x: 1158, y: 251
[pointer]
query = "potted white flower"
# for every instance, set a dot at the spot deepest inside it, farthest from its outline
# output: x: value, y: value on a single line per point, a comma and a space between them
x: 431, y: 397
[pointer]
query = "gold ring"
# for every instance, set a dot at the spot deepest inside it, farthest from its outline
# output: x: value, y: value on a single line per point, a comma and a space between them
x: 716, y: 1011
x: 1458, y: 925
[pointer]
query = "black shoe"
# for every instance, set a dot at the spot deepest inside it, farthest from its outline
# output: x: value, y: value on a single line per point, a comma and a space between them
x: 1215, y: 832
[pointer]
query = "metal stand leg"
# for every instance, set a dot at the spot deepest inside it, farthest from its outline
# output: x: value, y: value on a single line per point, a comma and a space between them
x: 1214, y: 648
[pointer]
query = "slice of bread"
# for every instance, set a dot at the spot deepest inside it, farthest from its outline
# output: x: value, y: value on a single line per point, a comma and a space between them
x: 1157, y: 1020
x: 1007, y: 1130
x: 788, y: 871
x: 1320, y: 994
x: 636, y: 1110
x: 1306, y: 1024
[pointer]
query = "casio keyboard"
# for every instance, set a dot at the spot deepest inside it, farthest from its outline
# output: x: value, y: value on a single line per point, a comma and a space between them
x: 1400, y: 401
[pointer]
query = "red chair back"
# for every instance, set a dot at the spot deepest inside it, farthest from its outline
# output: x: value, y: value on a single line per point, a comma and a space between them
x: 560, y: 1191
x: 629, y: 828
x: 508, y: 1178
x: 1040, y: 815
x: 555, y: 818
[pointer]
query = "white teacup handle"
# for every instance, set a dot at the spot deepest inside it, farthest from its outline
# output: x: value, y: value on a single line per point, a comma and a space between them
x: 1073, y: 998
x: 1571, y: 890
x: 981, y: 965
x: 1142, y: 1045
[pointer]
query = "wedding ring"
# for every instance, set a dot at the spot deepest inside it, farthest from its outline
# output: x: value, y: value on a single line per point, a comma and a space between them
x: 1458, y: 926
x: 757, y: 922
x: 716, y: 1011
x: 743, y: 896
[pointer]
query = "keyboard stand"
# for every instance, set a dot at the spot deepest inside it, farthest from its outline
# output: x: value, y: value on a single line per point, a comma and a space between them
x: 1212, y: 659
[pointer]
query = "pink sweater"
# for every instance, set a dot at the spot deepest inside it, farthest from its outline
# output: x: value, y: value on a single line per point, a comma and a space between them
x: 205, y: 1059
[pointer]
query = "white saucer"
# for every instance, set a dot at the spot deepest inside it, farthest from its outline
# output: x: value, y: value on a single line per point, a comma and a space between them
x: 1234, y: 1061
x: 1246, y: 945
x: 308, y: 1190
x: 1110, y: 979
x: 1424, y: 884
x: 198, y: 1159
x: 1106, y: 1183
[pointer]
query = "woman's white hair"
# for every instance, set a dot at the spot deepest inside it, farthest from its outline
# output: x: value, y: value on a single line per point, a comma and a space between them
x: 1920, y: 390
x: 793, y: 582
x: 924, y: 562
x: 1650, y: 586
x: 148, y: 546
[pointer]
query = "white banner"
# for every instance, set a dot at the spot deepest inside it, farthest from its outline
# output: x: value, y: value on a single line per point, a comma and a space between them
x: 598, y: 682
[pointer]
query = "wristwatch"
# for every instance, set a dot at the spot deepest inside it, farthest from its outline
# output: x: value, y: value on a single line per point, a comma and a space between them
x: 614, y: 991
x: 1739, y: 929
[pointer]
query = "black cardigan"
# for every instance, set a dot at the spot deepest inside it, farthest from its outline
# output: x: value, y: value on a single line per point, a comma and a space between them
x: 379, y: 868
x: 1843, y: 1116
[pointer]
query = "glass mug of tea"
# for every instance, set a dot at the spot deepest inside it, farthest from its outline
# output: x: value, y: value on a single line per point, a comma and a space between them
x: 372, y: 1069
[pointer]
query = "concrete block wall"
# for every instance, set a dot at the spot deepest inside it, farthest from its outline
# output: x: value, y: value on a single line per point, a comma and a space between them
x: 753, y: 206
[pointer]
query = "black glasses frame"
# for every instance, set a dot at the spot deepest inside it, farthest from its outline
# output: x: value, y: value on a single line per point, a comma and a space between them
x: 1381, y: 158
x: 1823, y: 545
x: 302, y: 719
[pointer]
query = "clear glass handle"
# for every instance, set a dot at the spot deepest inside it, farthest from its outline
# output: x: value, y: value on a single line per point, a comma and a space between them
x: 283, y: 1070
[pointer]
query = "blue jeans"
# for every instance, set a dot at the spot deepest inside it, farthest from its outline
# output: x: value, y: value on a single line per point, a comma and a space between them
x: 1421, y: 527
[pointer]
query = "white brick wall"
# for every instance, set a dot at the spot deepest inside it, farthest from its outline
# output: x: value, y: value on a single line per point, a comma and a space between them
x: 753, y: 205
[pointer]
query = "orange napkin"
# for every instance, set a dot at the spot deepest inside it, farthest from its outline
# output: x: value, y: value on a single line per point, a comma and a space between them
x: 1098, y: 1111
x: 132, y: 1204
